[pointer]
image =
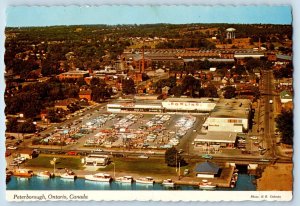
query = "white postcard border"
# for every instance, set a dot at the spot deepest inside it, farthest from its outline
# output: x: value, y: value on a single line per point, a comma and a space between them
x: 86, y: 195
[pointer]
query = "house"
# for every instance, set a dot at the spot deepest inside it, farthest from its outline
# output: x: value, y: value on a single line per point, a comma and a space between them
x: 65, y: 103
x: 27, y: 153
x: 44, y: 115
x: 207, y: 170
x: 85, y: 94
x: 285, y: 96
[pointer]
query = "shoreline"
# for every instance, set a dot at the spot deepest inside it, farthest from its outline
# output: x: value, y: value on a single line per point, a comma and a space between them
x: 221, y: 182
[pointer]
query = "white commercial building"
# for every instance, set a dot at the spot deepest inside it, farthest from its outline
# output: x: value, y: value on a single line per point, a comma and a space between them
x: 193, y: 105
x: 171, y: 105
x: 96, y: 160
x: 215, y: 140
x: 230, y: 115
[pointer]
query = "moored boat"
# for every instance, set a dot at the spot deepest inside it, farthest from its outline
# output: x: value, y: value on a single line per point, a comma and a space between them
x: 8, y: 176
x: 23, y: 173
x: 125, y: 179
x: 99, y: 177
x: 206, y: 185
x: 44, y: 174
x: 69, y: 174
x: 145, y: 180
x: 168, y: 183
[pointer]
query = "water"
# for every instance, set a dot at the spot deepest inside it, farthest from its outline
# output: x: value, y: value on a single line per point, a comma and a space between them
x: 244, y: 183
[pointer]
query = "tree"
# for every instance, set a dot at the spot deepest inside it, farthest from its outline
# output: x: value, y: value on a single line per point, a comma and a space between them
x: 52, y: 116
x: 100, y: 93
x: 128, y: 86
x: 229, y: 92
x: 80, y: 82
x: 284, y: 122
x: 26, y: 127
x: 177, y: 91
x: 145, y: 77
x: 210, y: 91
x: 191, y: 85
x: 172, y: 158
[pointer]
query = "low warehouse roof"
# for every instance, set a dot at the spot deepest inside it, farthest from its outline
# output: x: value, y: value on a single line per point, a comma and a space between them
x: 207, y: 168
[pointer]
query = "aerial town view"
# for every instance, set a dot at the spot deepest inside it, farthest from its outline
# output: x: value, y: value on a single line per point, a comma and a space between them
x: 150, y: 106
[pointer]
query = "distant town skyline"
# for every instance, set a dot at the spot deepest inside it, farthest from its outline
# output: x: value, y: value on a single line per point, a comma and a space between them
x: 23, y: 16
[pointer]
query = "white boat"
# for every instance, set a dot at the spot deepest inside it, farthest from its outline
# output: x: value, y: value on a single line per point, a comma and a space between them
x: 44, y: 174
x: 99, y: 177
x: 145, y: 180
x: 205, y: 185
x: 68, y: 175
x: 168, y: 183
x: 125, y: 179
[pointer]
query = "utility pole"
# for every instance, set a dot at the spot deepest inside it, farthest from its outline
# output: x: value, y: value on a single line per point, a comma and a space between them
x: 176, y: 161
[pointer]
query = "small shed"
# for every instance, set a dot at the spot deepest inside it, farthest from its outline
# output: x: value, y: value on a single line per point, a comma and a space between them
x: 207, y: 170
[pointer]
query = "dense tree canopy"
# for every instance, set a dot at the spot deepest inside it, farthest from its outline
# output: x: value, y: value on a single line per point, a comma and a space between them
x: 229, y: 92
x: 285, y: 125
x: 172, y: 158
x: 128, y: 86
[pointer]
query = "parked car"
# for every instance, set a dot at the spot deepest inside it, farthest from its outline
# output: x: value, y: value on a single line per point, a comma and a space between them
x: 143, y: 157
x: 207, y: 156
x: 71, y: 153
x: 186, y: 172
x: 12, y: 147
x: 180, y: 151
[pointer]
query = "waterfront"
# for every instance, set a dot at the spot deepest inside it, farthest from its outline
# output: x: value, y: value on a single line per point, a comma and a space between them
x: 244, y: 183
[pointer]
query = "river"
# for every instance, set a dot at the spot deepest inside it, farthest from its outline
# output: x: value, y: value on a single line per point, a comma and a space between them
x: 244, y: 183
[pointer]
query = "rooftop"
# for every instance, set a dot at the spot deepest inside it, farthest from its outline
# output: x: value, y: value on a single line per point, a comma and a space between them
x: 286, y: 95
x: 207, y: 167
x: 284, y: 57
x: 212, y: 136
x: 197, y: 100
x: 75, y: 72
x: 235, y: 108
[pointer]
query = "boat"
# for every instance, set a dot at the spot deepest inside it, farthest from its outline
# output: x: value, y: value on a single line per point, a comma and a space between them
x: 205, y: 185
x: 69, y: 174
x: 8, y: 176
x: 235, y: 176
x: 124, y: 179
x: 168, y: 183
x: 44, y: 174
x: 145, y: 180
x: 23, y: 173
x: 99, y: 177
x: 232, y: 183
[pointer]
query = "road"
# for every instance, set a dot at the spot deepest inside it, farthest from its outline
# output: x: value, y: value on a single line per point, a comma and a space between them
x: 268, y: 93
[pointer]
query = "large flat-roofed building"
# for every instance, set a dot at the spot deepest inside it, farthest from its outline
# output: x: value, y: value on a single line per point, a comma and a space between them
x: 229, y: 115
x: 169, y: 105
x: 135, y: 106
x: 243, y: 55
x: 76, y: 74
x: 192, y: 105
x: 215, y: 140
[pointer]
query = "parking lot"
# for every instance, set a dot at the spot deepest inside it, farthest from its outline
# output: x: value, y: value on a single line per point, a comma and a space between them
x: 100, y: 130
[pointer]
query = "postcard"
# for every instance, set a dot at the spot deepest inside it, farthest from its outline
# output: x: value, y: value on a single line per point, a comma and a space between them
x: 139, y: 103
